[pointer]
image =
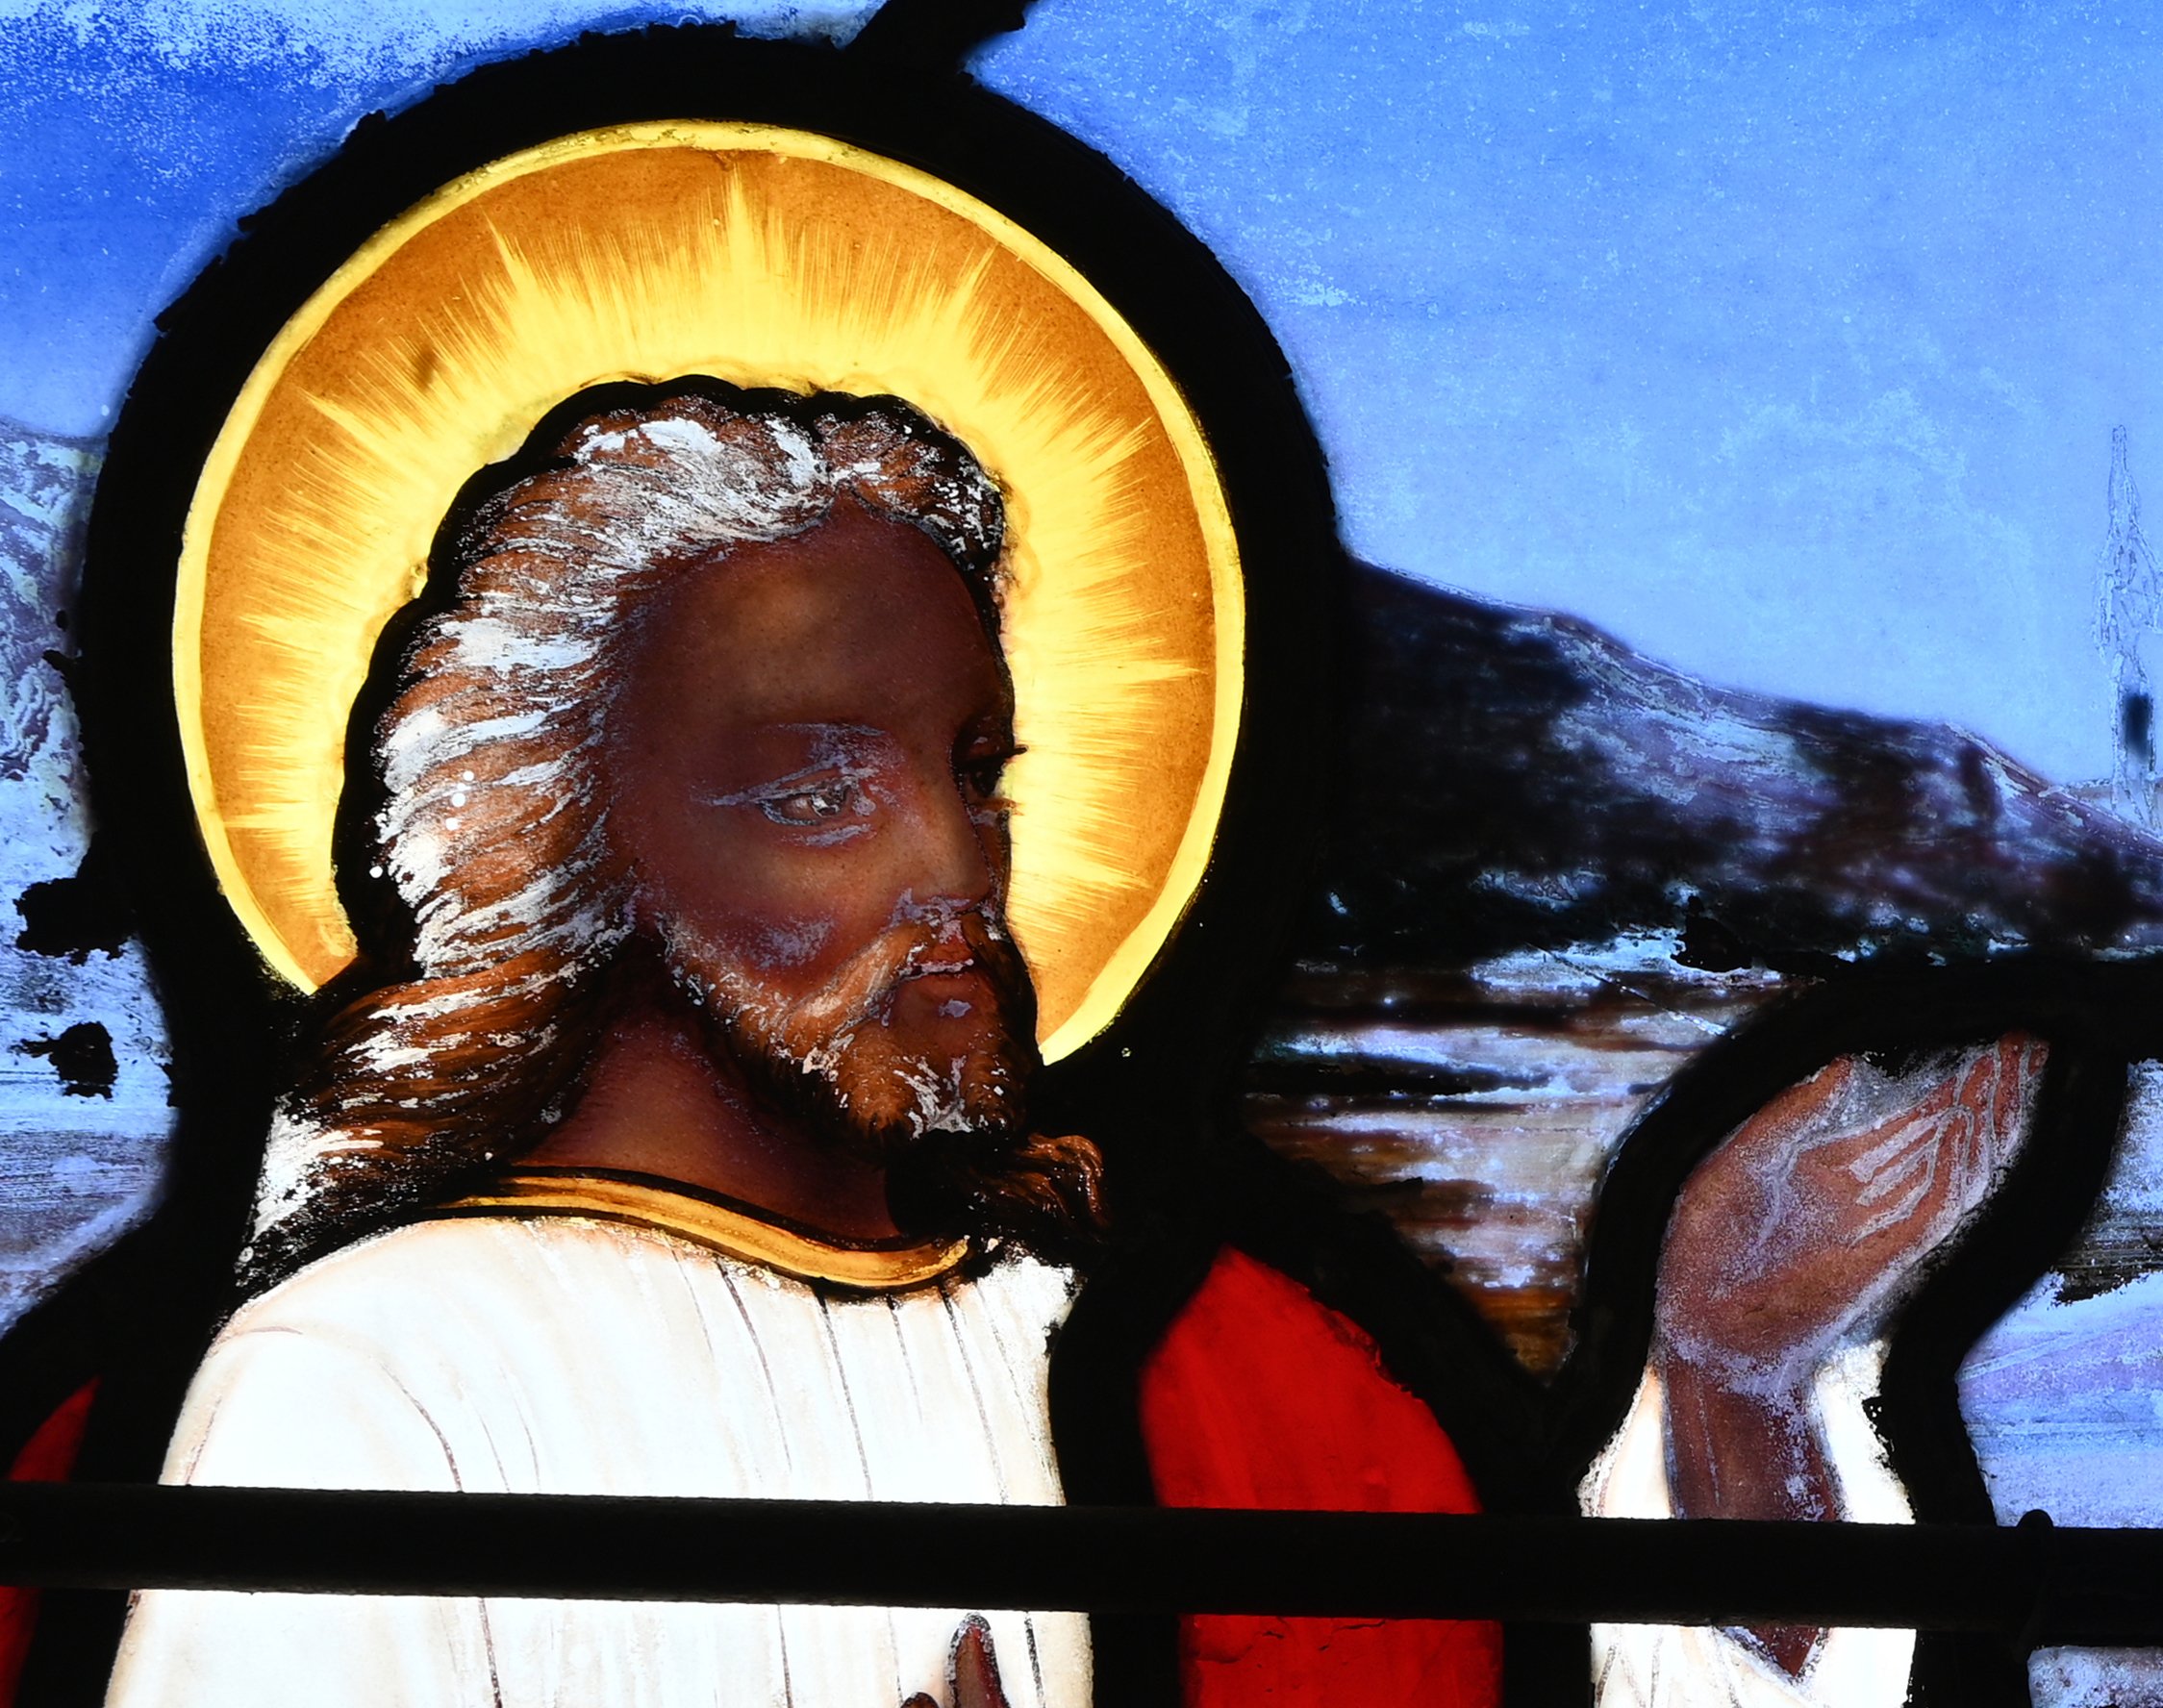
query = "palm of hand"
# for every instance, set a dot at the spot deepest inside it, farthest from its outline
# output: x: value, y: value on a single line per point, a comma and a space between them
x: 1810, y: 1221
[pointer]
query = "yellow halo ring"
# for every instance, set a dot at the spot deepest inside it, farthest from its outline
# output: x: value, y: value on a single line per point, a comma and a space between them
x: 766, y: 257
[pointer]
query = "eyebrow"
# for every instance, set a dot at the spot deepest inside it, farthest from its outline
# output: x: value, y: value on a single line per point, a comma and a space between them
x: 829, y: 756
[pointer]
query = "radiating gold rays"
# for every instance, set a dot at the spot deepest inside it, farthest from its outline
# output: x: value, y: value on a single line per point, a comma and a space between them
x: 767, y: 258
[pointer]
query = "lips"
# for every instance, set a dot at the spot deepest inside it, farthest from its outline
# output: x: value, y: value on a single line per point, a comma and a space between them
x: 952, y: 963
x: 956, y: 1012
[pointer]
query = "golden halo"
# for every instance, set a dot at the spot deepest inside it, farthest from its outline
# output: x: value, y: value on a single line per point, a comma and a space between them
x: 763, y: 257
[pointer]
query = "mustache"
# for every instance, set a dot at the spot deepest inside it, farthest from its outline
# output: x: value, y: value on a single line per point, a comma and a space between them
x: 864, y: 991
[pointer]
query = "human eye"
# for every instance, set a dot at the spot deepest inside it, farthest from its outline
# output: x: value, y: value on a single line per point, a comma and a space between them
x: 810, y: 805
x: 980, y: 771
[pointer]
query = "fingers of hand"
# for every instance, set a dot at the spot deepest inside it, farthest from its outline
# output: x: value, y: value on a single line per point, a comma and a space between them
x: 2006, y: 1074
x: 1990, y: 1119
x: 1894, y: 1153
x: 1932, y: 1165
x: 1866, y: 1151
x: 1903, y: 1193
x: 1925, y: 1167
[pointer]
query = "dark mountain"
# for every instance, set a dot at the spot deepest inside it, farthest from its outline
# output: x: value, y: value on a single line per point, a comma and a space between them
x: 1519, y: 780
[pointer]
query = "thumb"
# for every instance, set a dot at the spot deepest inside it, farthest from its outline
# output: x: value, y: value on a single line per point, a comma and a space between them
x: 974, y: 1668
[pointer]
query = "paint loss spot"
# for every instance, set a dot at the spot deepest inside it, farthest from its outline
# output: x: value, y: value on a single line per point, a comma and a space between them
x: 82, y: 1056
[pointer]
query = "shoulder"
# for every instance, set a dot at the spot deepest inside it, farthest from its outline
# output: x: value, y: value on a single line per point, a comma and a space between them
x: 432, y: 1277
x: 1259, y: 1394
x: 339, y: 1375
x: 426, y: 1298
x: 423, y: 1266
x: 1021, y: 1282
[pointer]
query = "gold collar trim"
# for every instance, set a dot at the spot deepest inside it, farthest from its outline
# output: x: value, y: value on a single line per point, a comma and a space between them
x: 717, y: 1223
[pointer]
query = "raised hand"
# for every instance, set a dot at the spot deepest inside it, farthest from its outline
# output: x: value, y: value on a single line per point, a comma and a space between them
x: 1802, y: 1233
x: 1805, y: 1227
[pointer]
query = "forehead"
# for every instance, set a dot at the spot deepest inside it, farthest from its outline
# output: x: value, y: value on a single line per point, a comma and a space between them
x: 856, y: 616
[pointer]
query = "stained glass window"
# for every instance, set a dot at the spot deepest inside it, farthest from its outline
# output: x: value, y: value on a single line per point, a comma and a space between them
x: 1267, y: 760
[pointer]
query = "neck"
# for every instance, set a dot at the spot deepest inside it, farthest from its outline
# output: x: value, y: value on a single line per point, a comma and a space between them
x: 657, y: 1102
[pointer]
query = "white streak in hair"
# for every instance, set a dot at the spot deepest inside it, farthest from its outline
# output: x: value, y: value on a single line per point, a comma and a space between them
x: 494, y: 644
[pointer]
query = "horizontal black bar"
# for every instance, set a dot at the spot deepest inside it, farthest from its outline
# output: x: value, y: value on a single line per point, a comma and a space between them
x: 2033, y: 1582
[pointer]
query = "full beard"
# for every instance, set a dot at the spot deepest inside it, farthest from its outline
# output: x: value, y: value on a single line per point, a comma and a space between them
x: 947, y: 1123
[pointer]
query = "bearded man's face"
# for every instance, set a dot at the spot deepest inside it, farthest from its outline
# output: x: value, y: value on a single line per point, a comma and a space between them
x: 804, y: 767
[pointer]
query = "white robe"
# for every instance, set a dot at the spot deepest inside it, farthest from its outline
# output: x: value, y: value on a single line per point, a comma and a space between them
x: 565, y: 1355
x: 1700, y: 1667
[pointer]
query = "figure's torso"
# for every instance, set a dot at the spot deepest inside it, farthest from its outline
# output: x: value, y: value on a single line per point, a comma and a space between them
x: 559, y: 1354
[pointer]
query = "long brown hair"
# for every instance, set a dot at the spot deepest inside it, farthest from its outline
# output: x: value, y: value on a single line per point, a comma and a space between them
x: 490, y: 841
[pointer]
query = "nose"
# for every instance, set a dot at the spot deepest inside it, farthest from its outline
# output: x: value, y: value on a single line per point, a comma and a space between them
x: 957, y: 855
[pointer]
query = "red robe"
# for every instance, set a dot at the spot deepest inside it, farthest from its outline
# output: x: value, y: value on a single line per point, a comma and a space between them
x: 1260, y: 1396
